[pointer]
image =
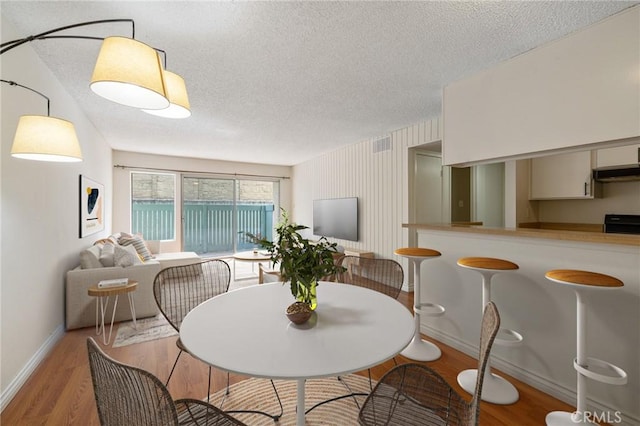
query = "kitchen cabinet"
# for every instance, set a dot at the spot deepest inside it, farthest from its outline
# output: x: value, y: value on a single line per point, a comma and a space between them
x: 562, y: 176
x: 618, y: 156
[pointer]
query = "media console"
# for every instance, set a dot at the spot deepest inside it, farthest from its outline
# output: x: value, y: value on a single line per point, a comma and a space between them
x: 358, y: 253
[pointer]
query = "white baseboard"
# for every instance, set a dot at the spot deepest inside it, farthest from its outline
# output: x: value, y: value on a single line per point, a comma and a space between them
x: 30, y: 366
x: 562, y: 393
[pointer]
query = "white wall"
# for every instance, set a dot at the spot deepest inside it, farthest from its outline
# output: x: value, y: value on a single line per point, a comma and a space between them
x: 136, y: 161
x: 379, y: 180
x: 39, y: 211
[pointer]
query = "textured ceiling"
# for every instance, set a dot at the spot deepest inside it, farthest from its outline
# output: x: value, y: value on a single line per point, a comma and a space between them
x: 282, y: 82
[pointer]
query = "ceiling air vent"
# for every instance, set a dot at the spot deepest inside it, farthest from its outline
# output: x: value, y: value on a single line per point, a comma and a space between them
x: 382, y: 144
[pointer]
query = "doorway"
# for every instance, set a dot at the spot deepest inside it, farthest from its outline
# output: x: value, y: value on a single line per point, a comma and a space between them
x: 428, y: 188
x: 461, y: 194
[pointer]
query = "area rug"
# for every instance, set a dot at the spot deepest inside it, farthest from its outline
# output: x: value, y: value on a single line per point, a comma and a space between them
x: 257, y: 394
x: 148, y: 329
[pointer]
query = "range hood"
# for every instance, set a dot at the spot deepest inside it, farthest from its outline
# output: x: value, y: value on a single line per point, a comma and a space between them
x: 624, y: 173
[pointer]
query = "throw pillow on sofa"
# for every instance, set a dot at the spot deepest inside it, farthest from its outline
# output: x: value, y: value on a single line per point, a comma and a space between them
x: 139, y: 245
x: 90, y: 258
x: 125, y: 256
x: 106, y: 256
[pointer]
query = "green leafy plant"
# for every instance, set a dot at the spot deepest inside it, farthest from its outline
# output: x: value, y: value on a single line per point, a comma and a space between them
x: 302, y: 262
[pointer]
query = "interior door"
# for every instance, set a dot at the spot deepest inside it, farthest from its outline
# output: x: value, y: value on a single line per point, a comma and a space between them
x: 428, y: 188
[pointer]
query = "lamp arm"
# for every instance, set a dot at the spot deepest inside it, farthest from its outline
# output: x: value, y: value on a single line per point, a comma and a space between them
x: 13, y: 83
x: 45, y: 35
x: 15, y: 43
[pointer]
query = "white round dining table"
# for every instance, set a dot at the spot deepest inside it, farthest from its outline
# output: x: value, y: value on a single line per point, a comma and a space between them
x: 246, y: 331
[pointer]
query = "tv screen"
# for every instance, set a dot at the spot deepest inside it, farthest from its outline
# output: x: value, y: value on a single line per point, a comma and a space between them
x: 336, y: 218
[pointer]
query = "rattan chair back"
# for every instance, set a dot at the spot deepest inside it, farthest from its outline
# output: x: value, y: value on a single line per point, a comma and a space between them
x: 383, y: 275
x: 490, y: 327
x: 179, y: 289
x: 127, y: 395
x: 414, y: 394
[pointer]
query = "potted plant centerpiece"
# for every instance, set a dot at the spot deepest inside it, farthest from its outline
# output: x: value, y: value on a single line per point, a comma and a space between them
x: 302, y: 263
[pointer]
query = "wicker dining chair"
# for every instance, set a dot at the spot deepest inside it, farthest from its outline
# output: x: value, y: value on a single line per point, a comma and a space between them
x: 179, y: 289
x: 382, y: 275
x: 127, y: 395
x: 414, y: 394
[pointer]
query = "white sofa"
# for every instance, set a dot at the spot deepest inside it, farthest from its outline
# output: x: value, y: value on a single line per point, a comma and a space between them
x: 81, y: 308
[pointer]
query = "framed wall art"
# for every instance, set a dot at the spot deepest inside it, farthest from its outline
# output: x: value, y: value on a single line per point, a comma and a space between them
x: 91, y: 206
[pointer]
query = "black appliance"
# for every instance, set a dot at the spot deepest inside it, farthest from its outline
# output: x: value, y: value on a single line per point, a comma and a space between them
x: 623, y: 173
x: 629, y: 172
x: 622, y: 224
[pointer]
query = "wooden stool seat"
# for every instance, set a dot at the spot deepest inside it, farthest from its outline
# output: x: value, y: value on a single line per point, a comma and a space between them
x: 417, y: 252
x: 571, y: 276
x: 419, y: 349
x: 487, y: 263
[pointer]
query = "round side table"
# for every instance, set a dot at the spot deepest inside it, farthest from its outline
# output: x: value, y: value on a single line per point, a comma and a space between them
x: 102, y: 295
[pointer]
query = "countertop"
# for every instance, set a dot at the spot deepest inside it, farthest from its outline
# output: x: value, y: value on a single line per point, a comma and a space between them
x: 534, y: 232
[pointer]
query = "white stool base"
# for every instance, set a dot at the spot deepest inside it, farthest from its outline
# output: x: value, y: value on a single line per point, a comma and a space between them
x: 495, y: 389
x: 562, y: 418
x: 421, y: 350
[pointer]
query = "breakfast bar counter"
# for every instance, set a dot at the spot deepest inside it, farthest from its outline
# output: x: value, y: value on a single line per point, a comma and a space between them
x: 573, y: 232
x: 543, y: 313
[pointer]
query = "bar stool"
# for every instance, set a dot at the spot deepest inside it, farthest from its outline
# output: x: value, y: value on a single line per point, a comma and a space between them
x: 419, y: 349
x: 495, y: 389
x: 581, y: 282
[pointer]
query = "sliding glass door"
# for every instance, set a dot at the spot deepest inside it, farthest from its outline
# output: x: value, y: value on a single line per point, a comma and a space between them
x: 218, y: 213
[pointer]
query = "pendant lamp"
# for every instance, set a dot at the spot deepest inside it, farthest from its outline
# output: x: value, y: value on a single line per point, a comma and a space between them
x: 44, y: 138
x: 130, y: 73
x: 178, y: 99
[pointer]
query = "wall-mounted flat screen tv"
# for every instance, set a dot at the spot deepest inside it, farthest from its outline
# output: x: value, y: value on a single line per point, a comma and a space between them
x: 336, y: 218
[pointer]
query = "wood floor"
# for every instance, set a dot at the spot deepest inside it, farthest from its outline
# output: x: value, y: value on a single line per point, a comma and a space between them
x: 60, y: 390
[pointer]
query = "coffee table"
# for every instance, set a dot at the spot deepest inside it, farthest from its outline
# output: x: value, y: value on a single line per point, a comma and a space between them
x: 253, y: 256
x: 246, y: 331
x: 102, y: 299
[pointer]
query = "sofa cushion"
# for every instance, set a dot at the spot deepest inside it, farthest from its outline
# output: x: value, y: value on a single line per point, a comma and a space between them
x: 90, y: 258
x: 125, y: 256
x: 181, y: 258
x: 138, y: 243
x: 107, y: 255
